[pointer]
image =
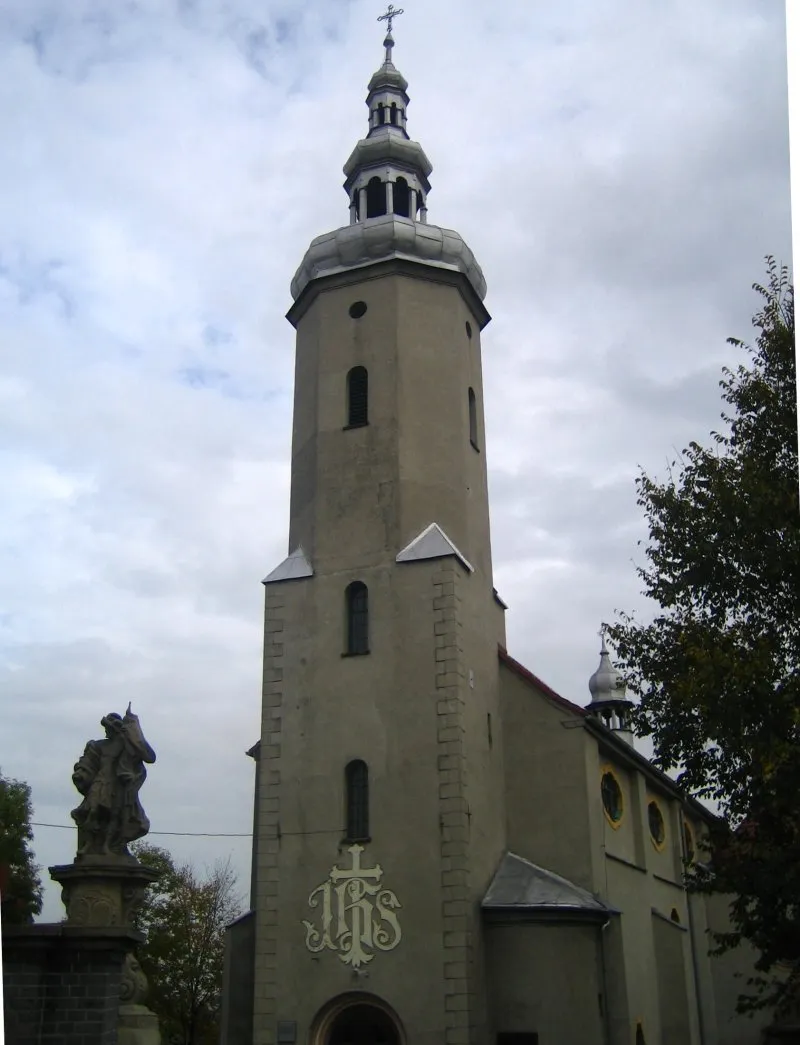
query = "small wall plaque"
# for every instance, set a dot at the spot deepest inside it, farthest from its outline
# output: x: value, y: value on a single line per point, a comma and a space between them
x: 287, y: 1032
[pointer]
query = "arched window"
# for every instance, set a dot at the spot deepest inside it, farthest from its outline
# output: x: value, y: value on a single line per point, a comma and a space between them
x: 357, y: 608
x: 356, y: 783
x: 393, y: 113
x: 381, y: 112
x: 357, y: 397
x: 473, y: 419
x: 376, y: 198
x: 401, y: 197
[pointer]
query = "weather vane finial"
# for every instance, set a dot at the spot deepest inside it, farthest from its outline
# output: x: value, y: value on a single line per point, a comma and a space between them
x: 390, y: 14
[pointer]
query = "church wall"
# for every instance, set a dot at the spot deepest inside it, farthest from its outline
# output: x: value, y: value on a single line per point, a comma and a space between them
x: 614, y: 980
x: 421, y: 707
x: 335, y: 709
x: 484, y: 789
x: 420, y: 724
x: 624, y: 839
x: 361, y: 493
x: 729, y: 975
x: 628, y: 890
x: 666, y: 860
x: 626, y: 881
x: 236, y: 1017
x: 438, y: 365
x: 671, y: 947
x: 546, y: 809
x: 700, y: 943
x: 344, y: 482
x: 546, y: 979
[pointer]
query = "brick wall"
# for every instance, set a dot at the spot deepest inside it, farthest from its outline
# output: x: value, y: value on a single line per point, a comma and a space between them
x: 62, y: 984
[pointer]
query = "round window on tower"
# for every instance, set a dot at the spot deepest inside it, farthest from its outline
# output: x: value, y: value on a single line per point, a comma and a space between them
x: 611, y: 794
x: 468, y: 327
x: 655, y: 821
x: 357, y: 309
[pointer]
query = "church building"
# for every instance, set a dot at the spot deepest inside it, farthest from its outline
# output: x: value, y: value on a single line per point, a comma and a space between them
x: 445, y: 851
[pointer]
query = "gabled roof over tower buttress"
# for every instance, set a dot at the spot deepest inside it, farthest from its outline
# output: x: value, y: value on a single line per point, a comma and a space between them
x: 387, y: 185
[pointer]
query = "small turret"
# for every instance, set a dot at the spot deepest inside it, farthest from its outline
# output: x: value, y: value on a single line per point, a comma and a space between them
x: 387, y: 172
x: 609, y: 704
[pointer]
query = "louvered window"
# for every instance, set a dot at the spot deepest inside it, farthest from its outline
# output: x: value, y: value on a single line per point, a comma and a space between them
x: 357, y: 618
x: 357, y: 397
x: 357, y: 801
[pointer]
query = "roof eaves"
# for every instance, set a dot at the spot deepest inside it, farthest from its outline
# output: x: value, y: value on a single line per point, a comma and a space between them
x: 528, y: 676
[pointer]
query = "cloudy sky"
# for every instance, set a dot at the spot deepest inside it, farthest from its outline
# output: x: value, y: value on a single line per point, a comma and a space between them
x: 619, y: 167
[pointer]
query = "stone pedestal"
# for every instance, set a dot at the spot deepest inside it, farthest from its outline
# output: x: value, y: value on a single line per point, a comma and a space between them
x: 101, y: 891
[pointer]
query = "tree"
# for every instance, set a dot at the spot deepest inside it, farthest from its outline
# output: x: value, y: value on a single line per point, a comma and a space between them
x: 718, y: 670
x: 20, y: 884
x: 183, y: 919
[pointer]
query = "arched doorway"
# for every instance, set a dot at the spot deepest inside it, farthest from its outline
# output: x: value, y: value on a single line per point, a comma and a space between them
x: 363, y: 1025
x: 357, y: 1018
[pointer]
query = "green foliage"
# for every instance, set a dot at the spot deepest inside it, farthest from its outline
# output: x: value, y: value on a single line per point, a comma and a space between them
x: 20, y: 884
x: 718, y: 670
x: 183, y: 919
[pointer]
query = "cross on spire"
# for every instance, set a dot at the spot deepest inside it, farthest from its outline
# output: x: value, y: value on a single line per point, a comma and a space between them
x: 390, y: 14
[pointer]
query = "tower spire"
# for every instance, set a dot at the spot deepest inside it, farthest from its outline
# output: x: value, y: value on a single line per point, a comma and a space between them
x: 387, y: 185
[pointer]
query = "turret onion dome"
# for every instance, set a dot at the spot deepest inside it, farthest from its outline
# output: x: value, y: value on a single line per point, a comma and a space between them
x: 606, y: 683
x: 387, y: 75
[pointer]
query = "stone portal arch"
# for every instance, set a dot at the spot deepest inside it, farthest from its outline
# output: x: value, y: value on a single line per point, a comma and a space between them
x: 357, y: 1018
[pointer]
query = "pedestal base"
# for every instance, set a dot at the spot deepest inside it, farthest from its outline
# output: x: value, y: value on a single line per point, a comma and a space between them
x: 137, y: 1026
x: 101, y: 891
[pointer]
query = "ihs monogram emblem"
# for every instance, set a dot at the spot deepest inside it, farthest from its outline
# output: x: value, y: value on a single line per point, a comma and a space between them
x: 357, y: 914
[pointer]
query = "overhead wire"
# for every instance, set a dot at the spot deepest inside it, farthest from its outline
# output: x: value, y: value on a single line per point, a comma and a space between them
x: 173, y: 834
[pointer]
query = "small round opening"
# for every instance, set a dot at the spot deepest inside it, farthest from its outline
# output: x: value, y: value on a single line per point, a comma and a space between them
x: 468, y: 325
x: 357, y: 309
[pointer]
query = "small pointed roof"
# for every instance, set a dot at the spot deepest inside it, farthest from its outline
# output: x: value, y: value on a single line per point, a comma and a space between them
x: 294, y: 567
x: 432, y: 543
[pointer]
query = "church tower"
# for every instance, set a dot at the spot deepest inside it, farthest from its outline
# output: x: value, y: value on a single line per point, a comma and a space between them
x: 379, y: 797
